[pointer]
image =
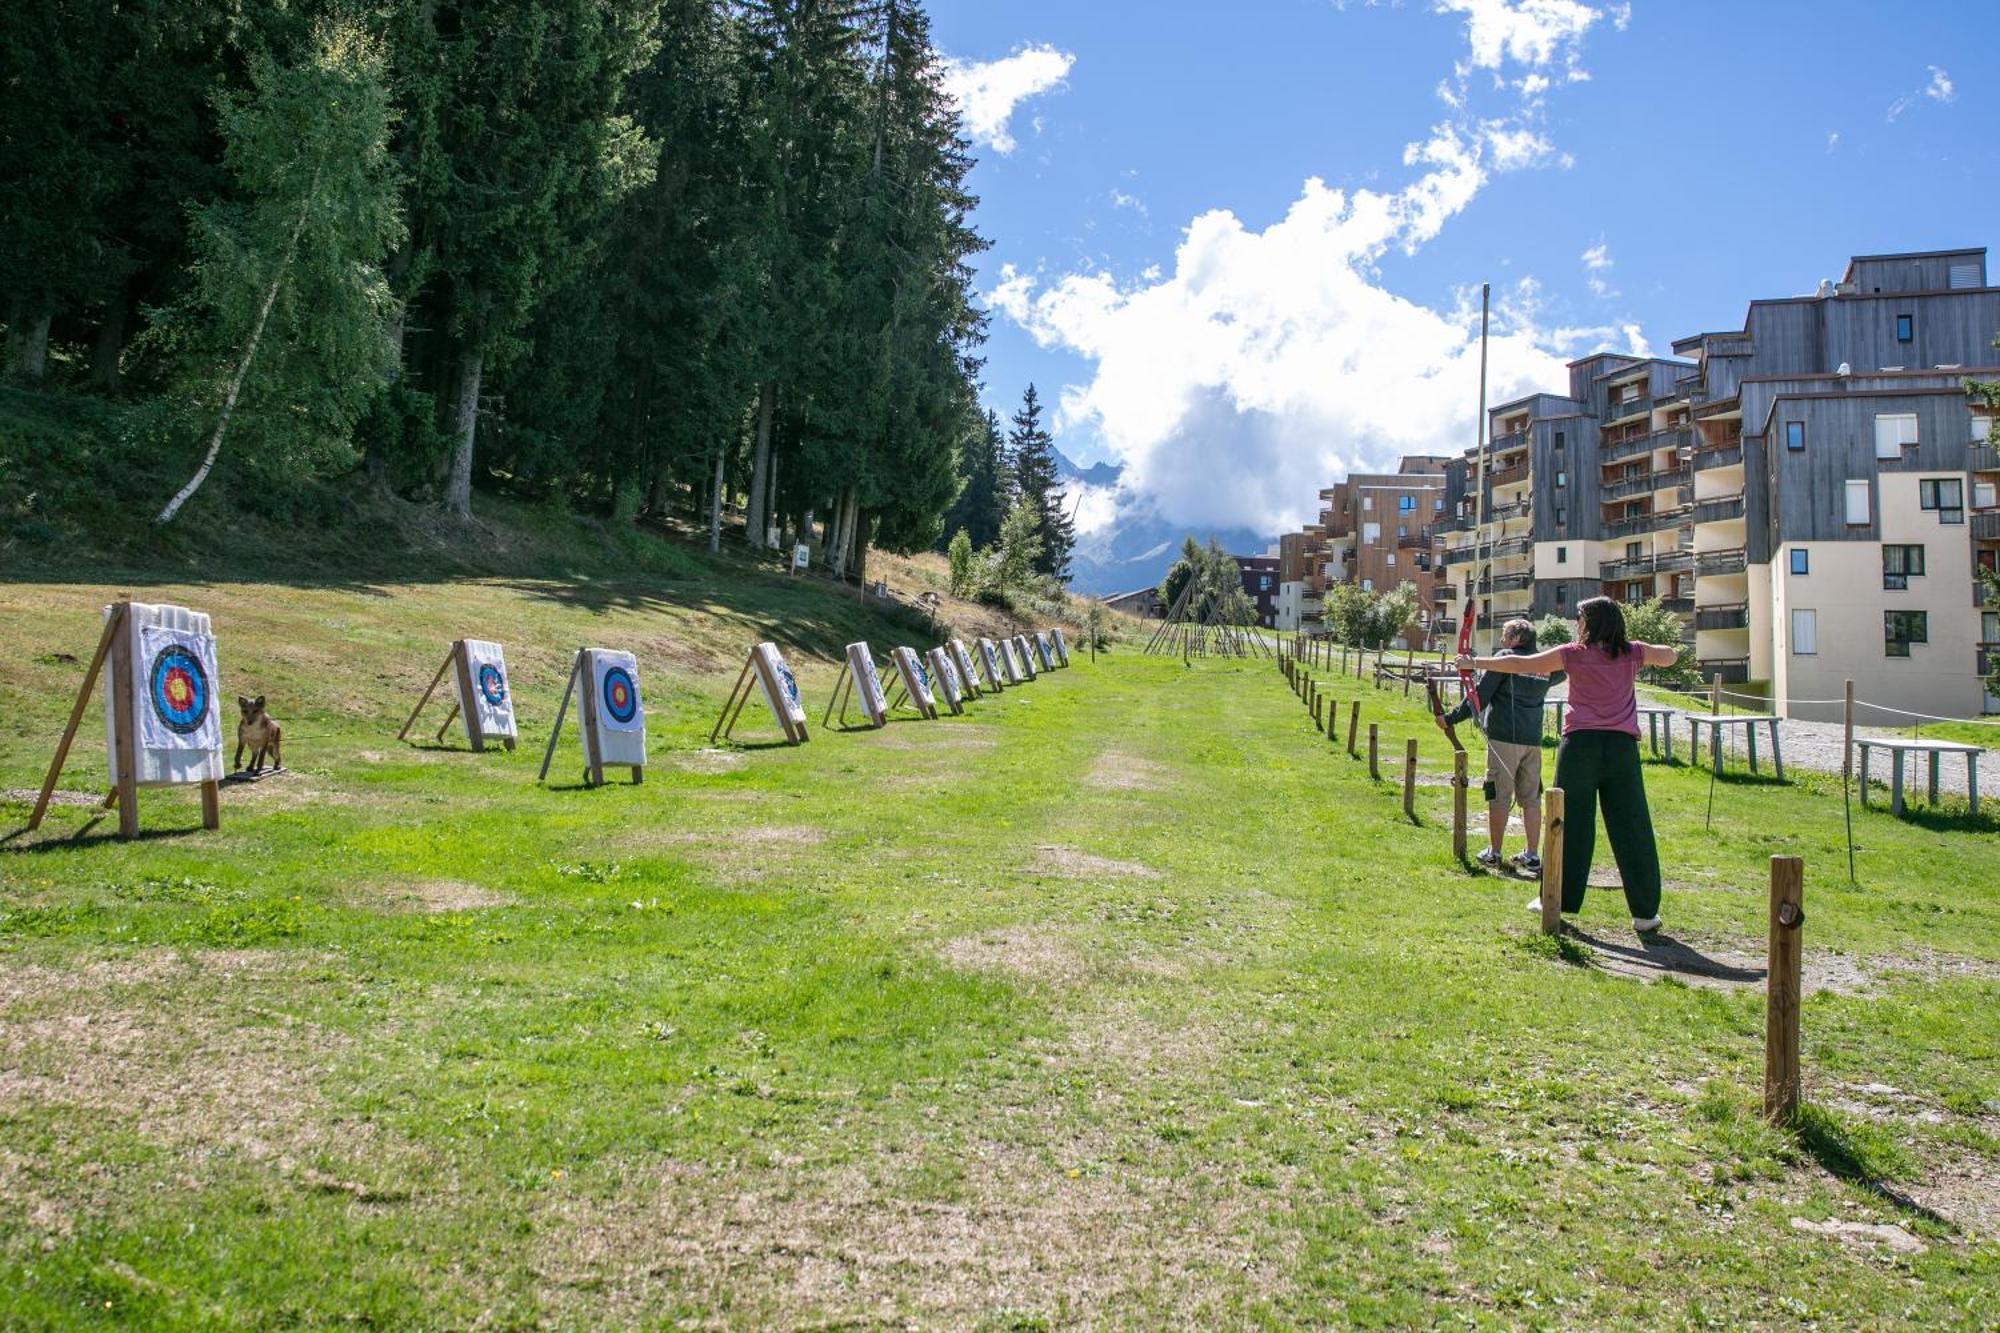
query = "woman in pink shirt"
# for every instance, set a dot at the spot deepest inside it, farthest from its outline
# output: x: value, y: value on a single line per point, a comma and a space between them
x: 1599, y: 759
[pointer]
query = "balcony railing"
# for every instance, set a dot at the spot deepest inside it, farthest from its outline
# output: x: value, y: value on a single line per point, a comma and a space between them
x: 1674, y: 562
x: 1445, y: 592
x: 1500, y: 444
x: 1630, y: 408
x: 1658, y: 520
x: 1512, y: 509
x: 1681, y: 606
x: 1736, y: 616
x: 1613, y: 570
x: 1410, y: 541
x: 1986, y: 526
x: 1676, y: 437
x: 1645, y: 485
x: 1512, y: 582
x: 1726, y: 455
x: 1513, y: 546
x: 1982, y: 458
x: 1717, y: 563
x: 1512, y: 475
x: 1719, y: 511
x: 1733, y: 670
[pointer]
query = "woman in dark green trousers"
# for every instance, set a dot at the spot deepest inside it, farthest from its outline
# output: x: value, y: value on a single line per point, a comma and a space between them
x: 1598, y: 764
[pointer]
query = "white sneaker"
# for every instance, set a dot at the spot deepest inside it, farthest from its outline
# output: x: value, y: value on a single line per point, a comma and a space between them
x: 1487, y: 857
x: 1645, y: 925
x: 1535, y: 904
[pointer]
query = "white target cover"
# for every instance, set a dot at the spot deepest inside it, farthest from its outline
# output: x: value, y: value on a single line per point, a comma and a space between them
x: 1021, y: 650
x: 991, y: 661
x: 1062, y: 648
x: 867, y: 684
x: 916, y: 680
x: 945, y: 676
x: 492, y: 690
x: 1042, y: 651
x: 191, y: 755
x: 1007, y: 663
x: 781, y: 687
x: 617, y: 708
x: 961, y: 659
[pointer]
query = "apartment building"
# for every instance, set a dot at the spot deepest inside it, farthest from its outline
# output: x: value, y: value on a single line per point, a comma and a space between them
x: 1260, y: 585
x: 1377, y: 530
x: 1292, y: 568
x: 1813, y: 491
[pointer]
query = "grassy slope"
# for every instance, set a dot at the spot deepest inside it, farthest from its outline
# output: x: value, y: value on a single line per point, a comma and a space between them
x: 1124, y: 999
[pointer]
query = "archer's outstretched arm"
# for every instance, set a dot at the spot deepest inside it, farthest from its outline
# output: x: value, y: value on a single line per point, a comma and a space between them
x: 1510, y: 664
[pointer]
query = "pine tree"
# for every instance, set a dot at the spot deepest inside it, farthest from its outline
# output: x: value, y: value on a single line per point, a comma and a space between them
x: 1036, y: 484
x: 982, y: 496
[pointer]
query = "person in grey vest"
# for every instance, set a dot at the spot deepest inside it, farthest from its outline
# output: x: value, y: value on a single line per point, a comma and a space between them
x: 1510, y: 713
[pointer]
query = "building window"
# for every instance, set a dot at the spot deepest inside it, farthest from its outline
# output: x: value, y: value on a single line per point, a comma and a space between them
x: 1391, y: 559
x: 1562, y: 479
x: 1801, y: 561
x: 1367, y: 503
x: 1562, y: 557
x: 1559, y: 441
x: 1795, y: 435
x: 1805, y: 633
x: 1406, y: 504
x: 1900, y: 629
x: 1633, y: 550
x: 1894, y: 432
x: 1371, y: 533
x: 1263, y: 583
x: 1900, y: 564
x: 1983, y: 495
x: 1562, y: 516
x: 1437, y: 505
x: 1402, y: 529
x: 1857, y: 504
x: 1906, y: 328
x: 1368, y: 585
x: 1944, y: 494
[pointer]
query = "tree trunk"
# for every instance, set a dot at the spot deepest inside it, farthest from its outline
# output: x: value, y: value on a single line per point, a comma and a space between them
x: 29, y: 344
x: 757, y: 522
x: 776, y: 517
x: 858, y: 536
x: 715, y: 505
x: 843, y: 517
x: 465, y: 427
x: 110, y: 344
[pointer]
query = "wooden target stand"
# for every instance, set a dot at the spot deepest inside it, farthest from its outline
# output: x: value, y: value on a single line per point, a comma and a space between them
x: 944, y: 680
x: 583, y: 667
x: 968, y: 673
x: 115, y: 646
x: 910, y: 687
x: 764, y: 663
x: 460, y: 663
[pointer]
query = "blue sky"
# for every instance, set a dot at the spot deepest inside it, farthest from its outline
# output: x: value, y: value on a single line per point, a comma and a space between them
x: 1622, y: 174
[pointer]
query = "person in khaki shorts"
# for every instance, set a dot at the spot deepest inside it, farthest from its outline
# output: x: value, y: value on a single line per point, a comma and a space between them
x: 1510, y: 713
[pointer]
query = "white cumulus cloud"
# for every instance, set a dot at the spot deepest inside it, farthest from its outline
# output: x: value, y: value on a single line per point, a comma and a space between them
x: 988, y: 92
x: 1939, y: 89
x: 1597, y: 266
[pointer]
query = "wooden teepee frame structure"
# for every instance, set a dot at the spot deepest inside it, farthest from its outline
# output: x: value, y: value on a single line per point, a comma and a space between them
x: 1202, y: 624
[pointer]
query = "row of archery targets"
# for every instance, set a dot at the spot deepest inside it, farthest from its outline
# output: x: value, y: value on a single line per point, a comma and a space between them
x: 163, y: 725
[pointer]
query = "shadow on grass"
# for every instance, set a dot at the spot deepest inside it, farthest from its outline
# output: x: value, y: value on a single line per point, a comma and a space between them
x: 1661, y: 953
x: 1855, y: 1159
x: 1946, y: 819
x: 85, y: 837
x: 1561, y: 948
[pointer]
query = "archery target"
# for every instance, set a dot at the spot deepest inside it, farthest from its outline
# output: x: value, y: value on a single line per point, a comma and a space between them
x: 1007, y: 663
x: 945, y: 676
x: 867, y: 684
x: 168, y: 698
x: 968, y: 676
x: 492, y: 694
x: 989, y: 660
x: 781, y: 688
x: 1062, y: 648
x: 1042, y: 651
x: 618, y: 712
x: 1027, y: 658
x: 916, y: 680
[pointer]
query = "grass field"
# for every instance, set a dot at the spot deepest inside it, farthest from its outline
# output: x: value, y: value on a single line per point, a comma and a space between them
x: 1126, y: 1000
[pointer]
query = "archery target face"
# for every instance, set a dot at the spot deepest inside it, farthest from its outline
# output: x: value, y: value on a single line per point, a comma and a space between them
x: 916, y: 680
x: 618, y: 705
x: 963, y: 661
x: 176, y: 683
x: 784, y: 702
x: 861, y: 665
x: 946, y: 677
x: 492, y: 693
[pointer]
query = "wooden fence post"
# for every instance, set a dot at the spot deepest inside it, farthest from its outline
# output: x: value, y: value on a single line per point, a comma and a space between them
x: 1353, y: 723
x: 1781, y: 989
x: 1410, y: 779
x: 1374, y: 752
x: 1552, y: 861
x: 1458, y: 785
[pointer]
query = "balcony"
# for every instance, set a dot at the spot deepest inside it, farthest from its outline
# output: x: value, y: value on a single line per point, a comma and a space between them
x: 1719, y: 511
x: 1511, y: 475
x: 1512, y: 582
x: 1513, y: 546
x: 1674, y: 562
x: 1725, y: 455
x: 1982, y: 458
x: 1630, y: 408
x: 1715, y: 564
x: 1611, y: 571
x: 1657, y: 521
x: 1676, y: 438
x: 1680, y: 606
x: 1513, y: 439
x: 1646, y: 485
x: 1733, y: 670
x: 1734, y: 616
x: 1445, y: 592
x: 1986, y: 526
x: 1511, y: 510
x: 1414, y: 541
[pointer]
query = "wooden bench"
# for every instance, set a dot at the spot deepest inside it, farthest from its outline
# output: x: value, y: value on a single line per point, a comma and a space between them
x: 1899, y: 747
x: 1715, y: 722
x: 1659, y: 719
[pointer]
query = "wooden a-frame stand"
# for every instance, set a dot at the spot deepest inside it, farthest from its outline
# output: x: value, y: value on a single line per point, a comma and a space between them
x: 583, y: 667
x: 460, y: 662
x: 115, y: 644
x: 739, y: 695
x: 843, y: 691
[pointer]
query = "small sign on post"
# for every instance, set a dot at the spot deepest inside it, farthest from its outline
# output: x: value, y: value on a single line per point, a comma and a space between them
x: 801, y: 558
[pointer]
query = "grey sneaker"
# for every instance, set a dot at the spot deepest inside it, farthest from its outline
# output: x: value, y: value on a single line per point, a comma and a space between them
x: 1528, y: 861
x: 1645, y: 925
x: 1488, y: 857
